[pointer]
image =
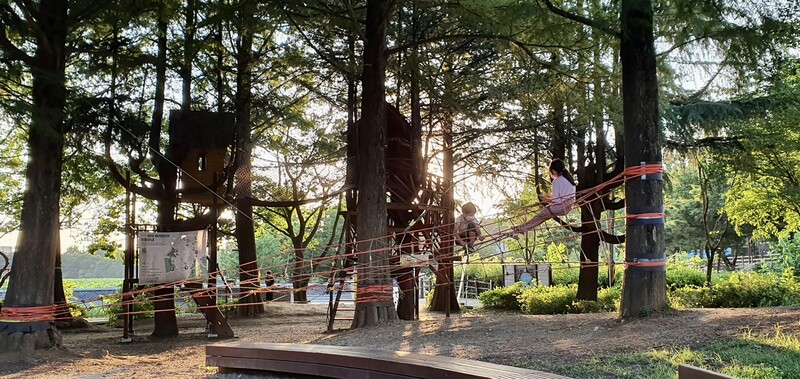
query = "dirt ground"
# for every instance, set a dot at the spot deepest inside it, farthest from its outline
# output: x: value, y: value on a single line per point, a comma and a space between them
x: 526, y: 341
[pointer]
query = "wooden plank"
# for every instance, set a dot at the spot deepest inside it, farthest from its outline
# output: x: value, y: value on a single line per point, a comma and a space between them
x: 402, y: 363
x: 325, y: 371
x: 213, y: 315
x: 691, y: 372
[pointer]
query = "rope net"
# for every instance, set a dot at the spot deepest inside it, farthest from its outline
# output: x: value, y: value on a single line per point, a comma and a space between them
x: 313, y: 267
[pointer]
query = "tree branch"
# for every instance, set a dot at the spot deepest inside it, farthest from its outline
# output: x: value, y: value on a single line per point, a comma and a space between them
x: 342, y: 69
x: 291, y: 203
x: 333, y: 230
x: 610, y: 238
x: 568, y: 226
x: 273, y: 226
x: 88, y: 12
x: 135, y: 165
x: 580, y: 19
x: 12, y: 50
x: 313, y: 232
x: 520, y: 44
x: 610, y: 205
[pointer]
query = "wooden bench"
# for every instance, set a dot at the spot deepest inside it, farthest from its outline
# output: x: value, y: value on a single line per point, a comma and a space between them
x: 348, y: 362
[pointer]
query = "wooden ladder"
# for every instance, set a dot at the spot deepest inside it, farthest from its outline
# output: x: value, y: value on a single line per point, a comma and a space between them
x: 341, y: 281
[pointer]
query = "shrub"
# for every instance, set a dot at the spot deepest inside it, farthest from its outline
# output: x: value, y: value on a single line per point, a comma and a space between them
x: 503, y: 297
x: 142, y: 306
x: 69, y: 293
x: 757, y: 290
x: 585, y: 306
x: 741, y: 290
x: 602, y: 276
x: 679, y: 276
x: 788, y: 250
x: 547, y: 300
x: 564, y: 276
x: 691, y: 296
x: 609, y: 298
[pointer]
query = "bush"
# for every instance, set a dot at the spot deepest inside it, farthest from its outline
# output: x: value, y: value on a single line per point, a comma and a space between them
x: 788, y: 250
x: 548, y: 300
x: 504, y: 297
x: 690, y: 296
x: 609, y: 298
x: 602, y: 276
x: 564, y: 276
x: 679, y: 276
x: 142, y: 307
x: 742, y: 290
x: 757, y: 290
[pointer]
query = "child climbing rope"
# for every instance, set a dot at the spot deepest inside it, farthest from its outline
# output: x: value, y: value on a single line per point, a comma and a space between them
x: 561, y: 201
x: 467, y: 227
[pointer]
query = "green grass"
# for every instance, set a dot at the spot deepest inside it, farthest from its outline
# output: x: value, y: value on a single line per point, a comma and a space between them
x: 88, y: 283
x: 94, y: 283
x: 749, y: 357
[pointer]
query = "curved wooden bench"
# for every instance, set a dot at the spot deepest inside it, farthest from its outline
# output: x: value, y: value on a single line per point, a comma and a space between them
x: 347, y: 362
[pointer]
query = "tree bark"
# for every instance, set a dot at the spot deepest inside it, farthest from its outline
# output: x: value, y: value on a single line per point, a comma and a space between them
x: 444, y: 294
x: 405, y: 304
x: 166, y: 324
x: 245, y: 231
x: 372, y: 220
x: 299, y: 277
x: 590, y: 242
x: 644, y: 287
x: 62, y: 315
x: 33, y: 274
x: 188, y: 54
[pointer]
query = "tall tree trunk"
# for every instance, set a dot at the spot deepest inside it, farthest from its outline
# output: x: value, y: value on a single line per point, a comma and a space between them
x: 62, y: 315
x: 444, y: 294
x: 220, y: 69
x: 374, y: 303
x: 33, y: 273
x: 644, y: 287
x: 590, y: 241
x: 188, y: 54
x: 406, y: 303
x: 351, y: 178
x: 560, y: 143
x: 407, y: 284
x: 245, y: 231
x: 299, y: 276
x: 592, y: 174
x: 166, y: 324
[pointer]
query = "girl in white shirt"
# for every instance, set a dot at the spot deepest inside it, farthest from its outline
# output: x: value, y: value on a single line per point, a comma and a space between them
x: 560, y: 203
x: 467, y: 227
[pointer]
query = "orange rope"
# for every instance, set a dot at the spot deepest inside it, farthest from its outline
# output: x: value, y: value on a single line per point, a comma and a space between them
x: 27, y: 314
x: 645, y: 215
x: 374, y: 293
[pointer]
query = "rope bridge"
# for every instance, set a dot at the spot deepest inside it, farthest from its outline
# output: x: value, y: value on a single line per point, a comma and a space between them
x: 364, y: 293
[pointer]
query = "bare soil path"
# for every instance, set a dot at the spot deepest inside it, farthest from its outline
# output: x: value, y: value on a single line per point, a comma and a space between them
x: 535, y: 342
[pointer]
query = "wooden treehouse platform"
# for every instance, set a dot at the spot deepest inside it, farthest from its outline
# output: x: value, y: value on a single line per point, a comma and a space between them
x: 348, y: 362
